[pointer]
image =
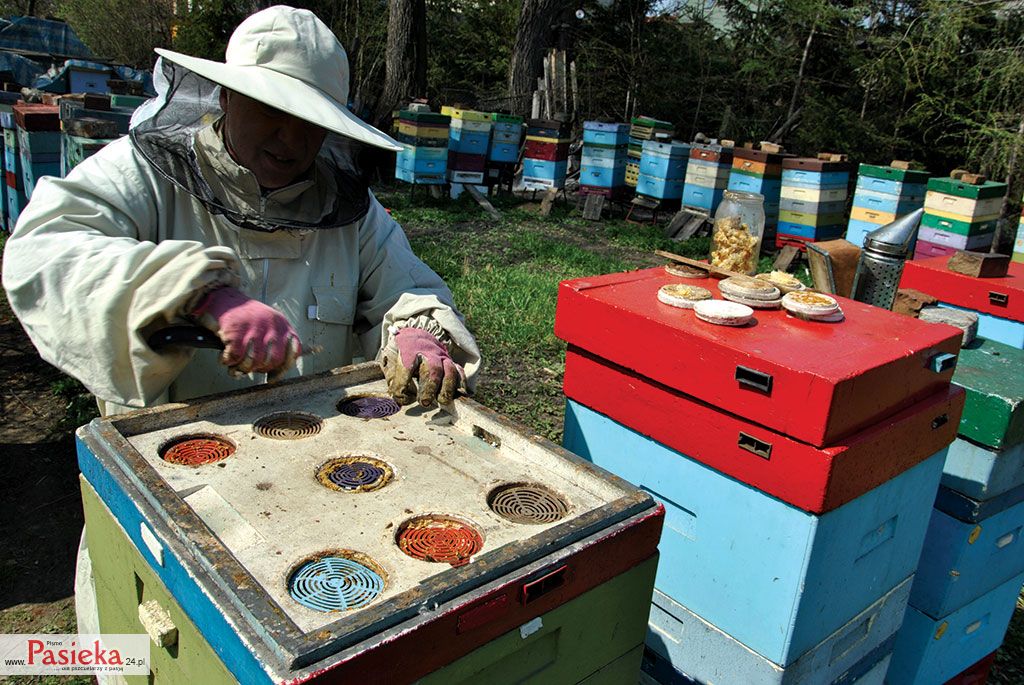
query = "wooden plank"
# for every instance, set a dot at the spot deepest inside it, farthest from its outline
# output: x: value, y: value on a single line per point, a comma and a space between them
x: 482, y: 201
x: 558, y: 61
x: 549, y: 87
x: 713, y: 270
x: 575, y: 90
x: 785, y: 258
x: 593, y: 207
x: 548, y: 201
x: 685, y: 224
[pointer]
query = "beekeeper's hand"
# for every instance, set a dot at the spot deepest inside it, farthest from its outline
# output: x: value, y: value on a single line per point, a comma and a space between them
x: 413, y: 355
x: 256, y: 337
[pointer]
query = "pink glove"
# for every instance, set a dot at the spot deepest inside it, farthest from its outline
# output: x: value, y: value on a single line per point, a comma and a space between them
x: 415, y: 353
x: 256, y: 337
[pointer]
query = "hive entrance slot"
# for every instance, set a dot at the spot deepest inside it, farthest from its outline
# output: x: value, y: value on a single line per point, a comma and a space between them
x: 196, y: 450
x: 439, y: 538
x: 337, y: 580
x: 754, y: 379
x: 754, y: 446
x: 527, y: 503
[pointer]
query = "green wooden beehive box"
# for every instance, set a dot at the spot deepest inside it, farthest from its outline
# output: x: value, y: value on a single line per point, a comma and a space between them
x: 993, y: 376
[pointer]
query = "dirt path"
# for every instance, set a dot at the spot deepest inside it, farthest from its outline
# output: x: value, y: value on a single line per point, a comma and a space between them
x: 40, y: 507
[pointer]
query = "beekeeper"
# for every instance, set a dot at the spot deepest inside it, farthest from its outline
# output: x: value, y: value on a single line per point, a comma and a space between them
x: 236, y: 203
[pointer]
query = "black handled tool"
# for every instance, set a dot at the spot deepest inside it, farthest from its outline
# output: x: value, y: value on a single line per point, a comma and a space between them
x: 184, y: 336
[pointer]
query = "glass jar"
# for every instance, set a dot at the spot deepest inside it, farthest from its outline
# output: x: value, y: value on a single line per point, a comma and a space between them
x: 739, y: 225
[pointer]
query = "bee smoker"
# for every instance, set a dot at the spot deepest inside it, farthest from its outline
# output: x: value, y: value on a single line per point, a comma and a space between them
x: 881, y: 261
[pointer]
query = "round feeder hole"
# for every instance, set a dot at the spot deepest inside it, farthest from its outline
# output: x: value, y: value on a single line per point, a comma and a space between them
x: 368, y: 406
x: 439, y: 538
x: 355, y: 472
x: 287, y: 425
x: 336, y: 580
x: 527, y: 503
x: 196, y: 450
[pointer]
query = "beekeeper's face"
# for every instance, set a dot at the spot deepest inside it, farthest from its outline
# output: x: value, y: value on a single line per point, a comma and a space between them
x: 276, y: 147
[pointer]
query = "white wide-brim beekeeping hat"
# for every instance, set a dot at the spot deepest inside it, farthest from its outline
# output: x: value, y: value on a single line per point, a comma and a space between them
x: 288, y: 59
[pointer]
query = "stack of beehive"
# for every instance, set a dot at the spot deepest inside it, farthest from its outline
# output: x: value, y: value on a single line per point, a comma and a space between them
x: 883, y: 194
x: 958, y: 216
x: 507, y: 133
x: 972, y: 566
x: 663, y: 170
x: 423, y: 158
x: 13, y: 186
x: 707, y: 176
x: 469, y: 139
x: 759, y: 171
x: 116, y: 108
x: 797, y: 462
x: 813, y: 201
x: 603, y: 164
x: 38, y: 131
x: 503, y: 154
x: 546, y: 158
x: 641, y: 129
x: 83, y: 137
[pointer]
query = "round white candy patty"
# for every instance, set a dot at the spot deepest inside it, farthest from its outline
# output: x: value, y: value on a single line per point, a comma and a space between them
x: 723, y: 313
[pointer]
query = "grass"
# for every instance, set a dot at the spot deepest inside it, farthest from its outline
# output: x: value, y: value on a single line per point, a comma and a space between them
x: 80, y: 405
x: 505, y: 277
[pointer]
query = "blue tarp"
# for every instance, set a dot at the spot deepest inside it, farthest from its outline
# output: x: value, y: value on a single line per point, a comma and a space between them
x: 25, y: 70
x: 41, y: 35
x: 56, y: 79
x: 53, y: 38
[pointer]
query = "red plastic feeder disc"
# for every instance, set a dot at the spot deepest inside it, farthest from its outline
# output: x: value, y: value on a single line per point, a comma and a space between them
x: 197, y: 450
x: 439, y: 539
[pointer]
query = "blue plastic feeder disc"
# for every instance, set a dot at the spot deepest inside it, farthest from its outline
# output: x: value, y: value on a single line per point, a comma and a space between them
x: 335, y: 584
x: 356, y: 474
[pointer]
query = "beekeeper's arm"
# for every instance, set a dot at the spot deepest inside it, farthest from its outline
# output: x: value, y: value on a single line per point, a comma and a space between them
x: 89, y: 280
x: 398, y: 291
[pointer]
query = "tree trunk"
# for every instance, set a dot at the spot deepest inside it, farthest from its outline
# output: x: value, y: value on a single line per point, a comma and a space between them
x: 1008, y: 229
x: 800, y: 74
x: 420, y: 29
x: 401, y: 58
x: 532, y: 37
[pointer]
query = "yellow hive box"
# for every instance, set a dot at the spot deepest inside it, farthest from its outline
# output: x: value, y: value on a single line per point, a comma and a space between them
x: 556, y: 141
x: 872, y: 216
x: 465, y: 114
x: 422, y: 131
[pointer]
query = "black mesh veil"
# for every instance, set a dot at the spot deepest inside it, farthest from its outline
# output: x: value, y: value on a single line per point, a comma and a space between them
x: 164, y: 128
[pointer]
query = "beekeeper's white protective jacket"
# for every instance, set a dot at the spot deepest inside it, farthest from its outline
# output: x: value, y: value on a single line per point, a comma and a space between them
x: 115, y: 251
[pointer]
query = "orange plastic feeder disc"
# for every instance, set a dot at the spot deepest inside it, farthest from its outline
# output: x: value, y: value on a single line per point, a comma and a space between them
x: 439, y: 539
x: 197, y: 450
